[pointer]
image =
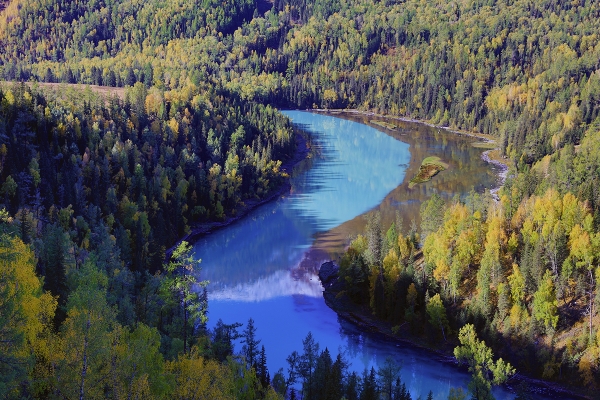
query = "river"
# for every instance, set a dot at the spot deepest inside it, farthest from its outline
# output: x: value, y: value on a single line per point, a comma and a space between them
x: 264, y: 266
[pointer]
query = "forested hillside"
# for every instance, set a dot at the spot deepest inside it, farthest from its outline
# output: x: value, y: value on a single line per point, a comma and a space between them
x: 95, y: 190
x: 522, y: 70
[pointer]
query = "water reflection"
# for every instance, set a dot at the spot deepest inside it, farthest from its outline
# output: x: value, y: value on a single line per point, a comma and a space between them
x: 358, y: 166
x: 467, y: 171
x: 279, y: 284
x: 264, y: 266
x: 354, y: 168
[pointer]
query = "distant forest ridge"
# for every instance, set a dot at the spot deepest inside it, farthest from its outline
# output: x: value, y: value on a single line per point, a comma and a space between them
x: 524, y: 71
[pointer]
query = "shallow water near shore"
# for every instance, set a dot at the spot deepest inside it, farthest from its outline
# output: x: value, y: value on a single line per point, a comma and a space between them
x: 265, y: 265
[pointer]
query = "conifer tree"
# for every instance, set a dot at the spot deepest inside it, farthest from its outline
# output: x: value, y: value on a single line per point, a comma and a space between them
x: 250, y: 348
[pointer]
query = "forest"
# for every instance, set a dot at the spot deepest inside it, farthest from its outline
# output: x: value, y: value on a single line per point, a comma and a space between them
x: 95, y: 190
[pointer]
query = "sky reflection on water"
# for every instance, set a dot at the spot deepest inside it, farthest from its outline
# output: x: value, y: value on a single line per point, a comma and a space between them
x: 264, y: 266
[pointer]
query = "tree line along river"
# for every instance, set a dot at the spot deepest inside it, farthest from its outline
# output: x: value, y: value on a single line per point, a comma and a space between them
x: 265, y: 265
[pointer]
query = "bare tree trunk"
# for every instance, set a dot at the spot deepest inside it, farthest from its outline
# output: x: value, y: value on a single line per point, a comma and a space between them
x: 131, y: 381
x: 84, y: 366
x: 591, y: 300
x: 185, y: 321
x: 113, y: 363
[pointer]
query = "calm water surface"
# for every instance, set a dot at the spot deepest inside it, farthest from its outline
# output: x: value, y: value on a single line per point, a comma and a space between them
x: 265, y: 265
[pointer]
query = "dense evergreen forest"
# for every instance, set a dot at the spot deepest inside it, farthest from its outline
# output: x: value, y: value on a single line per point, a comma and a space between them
x: 95, y: 190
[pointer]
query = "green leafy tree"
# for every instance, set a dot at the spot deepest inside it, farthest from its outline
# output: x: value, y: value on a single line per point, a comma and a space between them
x: 457, y: 394
x: 137, y: 366
x: 196, y: 377
x: 354, y: 272
x: 437, y: 313
x: 479, y: 358
x: 432, y: 215
x: 584, y: 247
x: 545, y: 304
x: 279, y: 382
x: 82, y: 364
x: 182, y: 290
x: 411, y: 304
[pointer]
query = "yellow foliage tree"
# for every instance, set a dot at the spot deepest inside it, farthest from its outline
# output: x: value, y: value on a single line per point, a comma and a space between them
x: 26, y: 316
x: 198, y: 378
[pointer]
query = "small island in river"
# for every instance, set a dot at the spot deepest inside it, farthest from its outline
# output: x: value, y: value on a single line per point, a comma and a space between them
x: 428, y: 169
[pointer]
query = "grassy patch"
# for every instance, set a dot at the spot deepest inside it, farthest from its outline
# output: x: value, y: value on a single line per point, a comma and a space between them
x: 383, y: 124
x: 485, y: 145
x: 428, y: 169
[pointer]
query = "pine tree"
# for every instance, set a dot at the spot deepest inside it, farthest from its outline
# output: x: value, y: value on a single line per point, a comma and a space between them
x: 307, y: 363
x: 388, y: 373
x: 250, y: 347
x: 223, y: 336
x: 352, y: 388
x: 374, y: 239
x: 369, y: 385
x: 54, y: 262
x: 322, y: 375
x: 335, y: 381
x: 432, y: 215
x: 130, y: 78
x: 262, y: 369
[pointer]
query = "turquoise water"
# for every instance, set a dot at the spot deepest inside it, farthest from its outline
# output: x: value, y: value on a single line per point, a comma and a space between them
x: 358, y: 166
x: 264, y: 266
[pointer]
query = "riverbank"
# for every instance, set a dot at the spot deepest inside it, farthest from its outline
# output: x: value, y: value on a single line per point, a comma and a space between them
x: 199, y: 230
x: 491, y: 156
x: 483, y: 136
x: 362, y: 317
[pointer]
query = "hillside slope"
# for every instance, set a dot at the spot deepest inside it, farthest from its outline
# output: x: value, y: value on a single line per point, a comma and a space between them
x: 522, y: 70
x: 192, y: 139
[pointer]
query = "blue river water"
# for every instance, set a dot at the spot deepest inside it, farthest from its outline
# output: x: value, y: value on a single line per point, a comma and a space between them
x: 262, y: 266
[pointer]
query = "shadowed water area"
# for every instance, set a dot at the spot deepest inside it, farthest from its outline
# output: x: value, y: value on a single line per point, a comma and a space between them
x: 265, y: 265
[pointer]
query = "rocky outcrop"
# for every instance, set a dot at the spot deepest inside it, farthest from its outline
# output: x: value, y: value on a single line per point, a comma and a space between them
x: 328, y: 273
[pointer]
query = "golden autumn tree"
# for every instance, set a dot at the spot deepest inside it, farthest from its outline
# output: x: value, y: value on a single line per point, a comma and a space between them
x: 26, y: 314
x: 199, y: 378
